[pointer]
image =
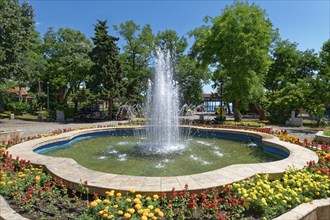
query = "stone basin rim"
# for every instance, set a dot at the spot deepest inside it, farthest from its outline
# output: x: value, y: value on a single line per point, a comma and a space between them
x: 74, y: 174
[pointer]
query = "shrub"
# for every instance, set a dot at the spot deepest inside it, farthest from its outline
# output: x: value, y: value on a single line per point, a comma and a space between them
x: 19, y: 108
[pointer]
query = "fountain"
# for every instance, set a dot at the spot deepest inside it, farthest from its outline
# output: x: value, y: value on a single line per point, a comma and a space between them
x: 113, y: 158
x: 162, y: 131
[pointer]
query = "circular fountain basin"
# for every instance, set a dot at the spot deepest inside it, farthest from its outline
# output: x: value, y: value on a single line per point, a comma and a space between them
x: 74, y: 174
x: 122, y: 152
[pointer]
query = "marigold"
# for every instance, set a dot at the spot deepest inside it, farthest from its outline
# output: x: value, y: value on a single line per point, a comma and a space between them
x: 138, y: 206
x: 127, y: 215
x: 138, y: 196
x: 93, y: 204
x: 131, y: 211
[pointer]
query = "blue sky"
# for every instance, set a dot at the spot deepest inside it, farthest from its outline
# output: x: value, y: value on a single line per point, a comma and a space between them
x: 306, y: 22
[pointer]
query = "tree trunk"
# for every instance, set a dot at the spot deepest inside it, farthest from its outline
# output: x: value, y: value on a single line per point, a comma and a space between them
x: 20, y: 98
x: 228, y: 108
x: 237, y: 113
x: 110, y: 107
x: 261, y: 111
x: 76, y: 106
x: 61, y: 95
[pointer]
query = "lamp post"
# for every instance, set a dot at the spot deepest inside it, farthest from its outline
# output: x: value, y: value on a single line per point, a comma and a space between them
x: 221, y: 100
x: 47, y: 96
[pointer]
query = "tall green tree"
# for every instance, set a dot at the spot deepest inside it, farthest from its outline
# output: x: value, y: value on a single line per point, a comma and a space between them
x: 136, y: 57
x: 68, y: 62
x: 16, y: 29
x: 324, y: 74
x: 190, y: 78
x: 236, y: 46
x: 107, y: 73
x: 170, y: 41
x: 285, y: 59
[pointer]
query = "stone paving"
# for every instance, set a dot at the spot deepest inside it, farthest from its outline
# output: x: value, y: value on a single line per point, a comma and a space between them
x: 34, y: 128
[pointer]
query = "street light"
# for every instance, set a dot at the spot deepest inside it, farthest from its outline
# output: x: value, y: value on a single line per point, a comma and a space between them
x: 47, y: 96
x: 221, y: 100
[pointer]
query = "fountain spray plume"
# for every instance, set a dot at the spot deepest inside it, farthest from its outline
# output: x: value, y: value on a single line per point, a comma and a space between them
x: 162, y: 132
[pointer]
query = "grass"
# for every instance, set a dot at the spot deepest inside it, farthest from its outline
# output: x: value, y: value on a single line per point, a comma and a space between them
x: 326, y: 133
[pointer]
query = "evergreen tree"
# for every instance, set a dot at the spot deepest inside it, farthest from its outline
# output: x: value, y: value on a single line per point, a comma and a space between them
x: 107, y: 79
x: 16, y: 34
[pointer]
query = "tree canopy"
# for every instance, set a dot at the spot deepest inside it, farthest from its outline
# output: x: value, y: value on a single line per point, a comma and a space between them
x: 236, y: 46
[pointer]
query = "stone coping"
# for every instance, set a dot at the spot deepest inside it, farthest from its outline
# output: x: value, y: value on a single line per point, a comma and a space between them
x: 319, y: 136
x: 74, y: 174
x: 318, y: 209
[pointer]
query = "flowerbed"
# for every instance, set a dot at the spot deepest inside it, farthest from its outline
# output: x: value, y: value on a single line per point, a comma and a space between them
x: 36, y: 195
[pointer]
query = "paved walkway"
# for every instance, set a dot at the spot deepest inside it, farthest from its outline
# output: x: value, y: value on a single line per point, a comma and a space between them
x: 34, y: 128
x: 31, y: 128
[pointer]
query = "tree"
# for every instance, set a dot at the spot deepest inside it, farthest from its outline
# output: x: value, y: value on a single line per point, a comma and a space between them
x: 16, y: 29
x: 283, y: 68
x: 190, y: 78
x: 324, y: 74
x: 236, y: 47
x: 170, y: 41
x: 68, y: 62
x: 107, y: 73
x: 136, y: 57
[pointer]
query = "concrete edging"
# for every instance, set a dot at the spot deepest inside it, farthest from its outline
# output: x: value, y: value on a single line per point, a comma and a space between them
x: 322, y: 138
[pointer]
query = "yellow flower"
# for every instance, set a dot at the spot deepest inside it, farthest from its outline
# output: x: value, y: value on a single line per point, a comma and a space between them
x: 157, y: 210
x: 37, y: 178
x: 118, y: 195
x: 105, y: 215
x: 132, y: 191
x: 120, y: 212
x: 160, y: 214
x: 110, y: 216
x: 155, y: 197
x: 131, y: 211
x: 106, y: 201
x: 150, y: 215
x: 93, y: 204
x: 150, y: 207
x: 101, y: 212
x: 137, y: 201
x: 138, y: 206
x: 115, y: 206
x: 138, y: 196
x: 127, y: 215
x: 98, y: 200
x: 144, y: 218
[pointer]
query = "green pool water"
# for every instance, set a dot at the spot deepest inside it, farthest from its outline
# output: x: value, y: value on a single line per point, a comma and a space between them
x: 120, y: 155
